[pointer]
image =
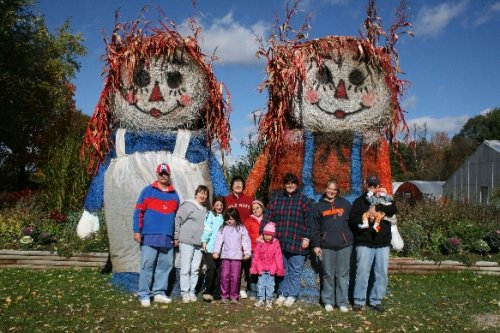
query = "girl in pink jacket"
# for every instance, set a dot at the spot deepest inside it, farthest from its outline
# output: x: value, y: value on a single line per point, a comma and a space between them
x: 267, y: 262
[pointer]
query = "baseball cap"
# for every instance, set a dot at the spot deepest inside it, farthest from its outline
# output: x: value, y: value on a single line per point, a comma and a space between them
x: 163, y: 168
x: 372, y: 180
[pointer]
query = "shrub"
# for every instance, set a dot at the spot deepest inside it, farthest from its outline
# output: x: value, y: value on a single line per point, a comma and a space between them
x: 66, y: 180
x: 29, y: 228
x: 437, y: 230
x: 414, y: 237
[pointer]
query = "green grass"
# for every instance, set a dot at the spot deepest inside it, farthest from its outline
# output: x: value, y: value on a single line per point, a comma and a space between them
x: 83, y: 301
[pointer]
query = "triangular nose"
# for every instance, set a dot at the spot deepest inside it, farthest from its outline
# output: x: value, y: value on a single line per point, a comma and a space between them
x: 156, y: 95
x: 340, y: 92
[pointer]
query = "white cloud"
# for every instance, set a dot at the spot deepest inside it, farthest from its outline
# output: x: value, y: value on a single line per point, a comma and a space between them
x: 234, y: 43
x: 487, y: 14
x: 485, y: 111
x: 409, y: 102
x: 431, y: 21
x: 450, y: 125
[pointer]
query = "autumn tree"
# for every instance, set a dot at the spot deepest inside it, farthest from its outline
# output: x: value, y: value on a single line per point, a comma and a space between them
x: 36, y: 67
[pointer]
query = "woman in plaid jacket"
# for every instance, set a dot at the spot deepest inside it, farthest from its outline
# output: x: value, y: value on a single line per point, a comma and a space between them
x: 289, y: 209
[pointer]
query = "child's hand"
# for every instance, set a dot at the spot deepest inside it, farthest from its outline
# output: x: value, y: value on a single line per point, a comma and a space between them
x: 246, y: 257
x: 204, y: 245
x: 215, y: 255
x: 260, y: 239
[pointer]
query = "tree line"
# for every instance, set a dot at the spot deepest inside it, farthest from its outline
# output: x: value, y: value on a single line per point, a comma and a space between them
x: 437, y: 157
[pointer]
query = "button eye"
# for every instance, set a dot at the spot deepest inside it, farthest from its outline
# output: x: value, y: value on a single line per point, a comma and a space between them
x: 324, y: 75
x: 356, y: 77
x: 141, y: 76
x: 174, y: 79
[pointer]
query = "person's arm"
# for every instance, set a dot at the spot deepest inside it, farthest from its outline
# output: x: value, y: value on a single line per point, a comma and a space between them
x: 278, y: 257
x: 246, y: 243
x: 255, y: 266
x: 218, y: 244
x: 180, y: 218
x: 356, y: 215
x: 307, y: 209
x: 138, y: 219
x: 207, y: 227
x: 315, y: 222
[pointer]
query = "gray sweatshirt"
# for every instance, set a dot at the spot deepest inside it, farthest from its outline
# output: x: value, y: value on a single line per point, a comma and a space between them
x: 189, y: 222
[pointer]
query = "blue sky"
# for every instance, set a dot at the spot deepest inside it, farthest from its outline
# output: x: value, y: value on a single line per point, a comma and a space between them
x: 453, y: 62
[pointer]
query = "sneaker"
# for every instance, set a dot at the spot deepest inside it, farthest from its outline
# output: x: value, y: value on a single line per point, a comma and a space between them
x: 377, y: 307
x: 328, y: 308
x: 224, y: 301
x: 289, y: 301
x: 162, y: 299
x: 357, y: 307
x: 269, y: 304
x: 344, y: 309
x: 252, y: 298
x: 207, y: 297
x: 145, y: 303
x: 259, y: 304
x: 243, y: 294
x: 280, y: 300
x: 192, y: 298
x: 186, y: 299
x: 234, y: 301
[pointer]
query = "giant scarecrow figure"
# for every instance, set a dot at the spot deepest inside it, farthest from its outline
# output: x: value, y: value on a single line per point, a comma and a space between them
x: 160, y: 103
x: 333, y: 106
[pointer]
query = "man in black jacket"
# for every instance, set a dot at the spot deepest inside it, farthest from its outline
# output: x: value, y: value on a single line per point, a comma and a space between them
x: 372, y: 249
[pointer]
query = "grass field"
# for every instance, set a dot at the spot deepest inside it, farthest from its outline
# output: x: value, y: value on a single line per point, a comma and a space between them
x: 83, y: 301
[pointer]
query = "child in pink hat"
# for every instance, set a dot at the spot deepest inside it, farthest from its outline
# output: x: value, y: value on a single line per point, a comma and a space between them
x: 267, y: 263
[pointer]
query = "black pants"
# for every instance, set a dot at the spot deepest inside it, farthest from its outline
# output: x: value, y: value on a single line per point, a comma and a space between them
x: 212, y: 276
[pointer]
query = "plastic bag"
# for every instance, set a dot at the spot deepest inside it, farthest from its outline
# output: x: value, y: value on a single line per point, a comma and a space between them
x: 397, y: 241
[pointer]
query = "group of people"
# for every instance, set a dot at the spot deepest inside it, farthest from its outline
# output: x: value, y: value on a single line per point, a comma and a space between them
x: 247, y: 247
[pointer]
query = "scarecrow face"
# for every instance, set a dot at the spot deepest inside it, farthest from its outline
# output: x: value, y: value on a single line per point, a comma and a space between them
x: 161, y: 93
x: 343, y: 93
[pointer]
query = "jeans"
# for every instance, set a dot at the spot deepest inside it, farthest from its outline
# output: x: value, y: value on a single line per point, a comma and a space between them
x: 336, y: 276
x: 230, y: 279
x: 290, y: 283
x: 265, y: 287
x: 156, y: 264
x: 190, y: 267
x: 367, y: 257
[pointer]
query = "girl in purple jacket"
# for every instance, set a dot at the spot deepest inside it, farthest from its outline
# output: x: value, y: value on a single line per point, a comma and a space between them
x: 232, y: 246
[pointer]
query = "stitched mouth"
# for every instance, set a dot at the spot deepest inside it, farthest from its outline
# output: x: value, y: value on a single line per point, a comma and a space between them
x: 155, y: 112
x: 341, y: 114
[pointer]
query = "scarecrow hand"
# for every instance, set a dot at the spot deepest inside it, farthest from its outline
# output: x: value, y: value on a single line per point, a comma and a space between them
x: 88, y: 224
